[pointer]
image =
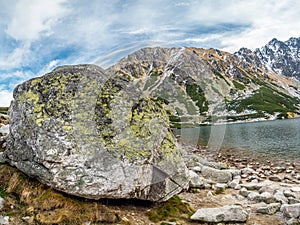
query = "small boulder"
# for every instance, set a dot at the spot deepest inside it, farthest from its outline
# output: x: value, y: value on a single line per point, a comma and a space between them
x: 235, y: 183
x: 291, y: 211
x: 244, y: 192
x: 269, y: 209
x: 254, y: 185
x: 219, y: 176
x: 219, y: 188
x: 275, y: 178
x: 230, y: 213
x: 279, y: 196
x: 267, y: 197
x: 289, y: 193
x: 254, y: 196
x: 195, y: 180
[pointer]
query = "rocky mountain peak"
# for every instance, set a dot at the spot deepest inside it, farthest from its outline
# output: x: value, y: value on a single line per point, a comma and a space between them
x: 281, y: 57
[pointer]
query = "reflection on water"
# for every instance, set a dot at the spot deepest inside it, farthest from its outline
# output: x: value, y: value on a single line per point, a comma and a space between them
x: 278, y: 138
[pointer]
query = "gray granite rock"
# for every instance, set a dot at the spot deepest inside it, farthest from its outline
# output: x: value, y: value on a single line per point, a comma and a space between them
x: 288, y: 193
x: 279, y: 196
x: 244, y: 192
x: 219, y: 176
x: 254, y: 196
x: 231, y: 213
x: 275, y: 178
x: 291, y: 211
x: 195, y: 180
x: 235, y: 183
x: 269, y: 209
x: 267, y: 197
x: 254, y: 185
x: 219, y: 187
x: 293, y: 221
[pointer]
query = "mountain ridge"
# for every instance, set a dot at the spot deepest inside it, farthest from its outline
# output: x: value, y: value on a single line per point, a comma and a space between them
x: 280, y: 57
x: 200, y: 86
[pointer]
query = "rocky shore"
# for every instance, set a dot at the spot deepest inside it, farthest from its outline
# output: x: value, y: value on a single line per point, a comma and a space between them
x: 241, y: 190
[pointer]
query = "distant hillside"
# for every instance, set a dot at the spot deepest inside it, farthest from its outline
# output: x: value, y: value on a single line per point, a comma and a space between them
x: 200, y: 86
x: 3, y: 110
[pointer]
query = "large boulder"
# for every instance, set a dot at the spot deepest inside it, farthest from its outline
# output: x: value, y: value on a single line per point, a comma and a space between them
x: 94, y: 135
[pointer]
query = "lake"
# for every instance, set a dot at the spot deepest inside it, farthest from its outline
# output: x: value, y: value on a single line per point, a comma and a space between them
x: 278, y: 138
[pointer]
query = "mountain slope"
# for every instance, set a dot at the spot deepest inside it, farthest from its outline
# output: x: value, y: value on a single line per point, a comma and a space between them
x: 208, y: 85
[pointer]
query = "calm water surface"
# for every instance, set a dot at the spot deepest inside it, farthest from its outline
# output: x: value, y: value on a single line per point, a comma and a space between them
x: 280, y: 138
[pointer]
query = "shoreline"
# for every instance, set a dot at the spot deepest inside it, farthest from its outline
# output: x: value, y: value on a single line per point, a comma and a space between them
x: 193, y: 125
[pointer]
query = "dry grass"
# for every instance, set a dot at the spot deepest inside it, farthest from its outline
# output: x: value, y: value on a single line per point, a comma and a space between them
x: 26, y: 197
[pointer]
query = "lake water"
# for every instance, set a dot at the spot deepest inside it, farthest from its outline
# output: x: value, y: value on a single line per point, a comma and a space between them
x: 278, y: 138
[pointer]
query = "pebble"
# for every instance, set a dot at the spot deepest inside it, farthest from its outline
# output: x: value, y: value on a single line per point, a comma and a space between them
x: 219, y: 187
x: 254, y: 196
x: 4, y: 220
x: 288, y: 193
x: 267, y: 197
x: 279, y: 196
x: 1, y: 203
x: 268, y: 188
x: 275, y: 178
x: 244, y: 192
x: 291, y: 211
x: 235, y: 183
x: 195, y: 180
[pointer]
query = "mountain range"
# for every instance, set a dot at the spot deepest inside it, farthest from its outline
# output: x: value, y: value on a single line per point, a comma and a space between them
x: 201, y: 86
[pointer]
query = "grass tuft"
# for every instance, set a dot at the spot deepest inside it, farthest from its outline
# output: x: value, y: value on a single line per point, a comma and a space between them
x: 171, y: 209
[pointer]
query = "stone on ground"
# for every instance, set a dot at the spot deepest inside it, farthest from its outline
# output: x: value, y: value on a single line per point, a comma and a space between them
x: 231, y: 213
x: 219, y: 176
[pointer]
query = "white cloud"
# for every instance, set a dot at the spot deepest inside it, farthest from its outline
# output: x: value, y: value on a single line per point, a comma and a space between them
x: 31, y: 18
x: 5, y: 97
x: 266, y: 20
x: 19, y: 56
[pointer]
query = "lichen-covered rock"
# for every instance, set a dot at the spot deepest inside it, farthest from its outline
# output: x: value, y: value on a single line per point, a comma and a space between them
x: 94, y: 135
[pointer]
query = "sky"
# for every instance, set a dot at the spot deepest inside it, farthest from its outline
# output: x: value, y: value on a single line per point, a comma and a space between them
x: 38, y: 35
